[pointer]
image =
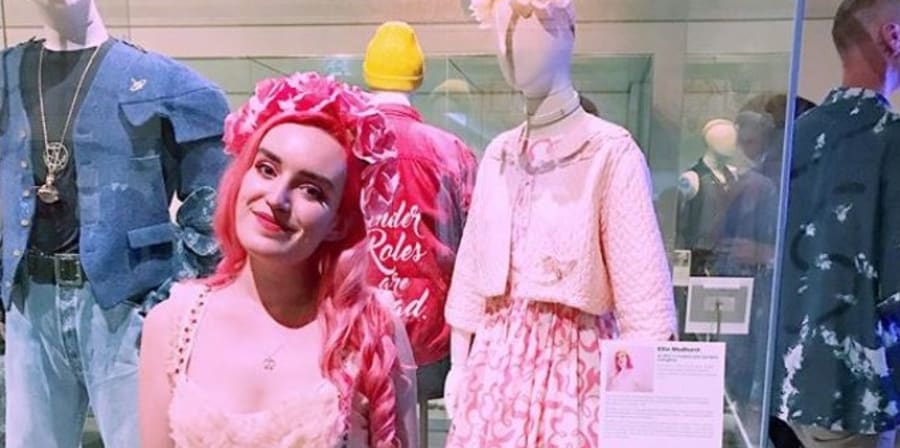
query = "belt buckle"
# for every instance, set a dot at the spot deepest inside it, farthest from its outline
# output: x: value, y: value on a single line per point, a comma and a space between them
x: 67, y: 270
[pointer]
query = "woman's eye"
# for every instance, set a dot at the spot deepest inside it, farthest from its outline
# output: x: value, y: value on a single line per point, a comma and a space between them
x: 313, y: 192
x: 266, y: 170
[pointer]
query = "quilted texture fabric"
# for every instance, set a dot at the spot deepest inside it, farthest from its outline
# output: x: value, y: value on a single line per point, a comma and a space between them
x: 593, y: 241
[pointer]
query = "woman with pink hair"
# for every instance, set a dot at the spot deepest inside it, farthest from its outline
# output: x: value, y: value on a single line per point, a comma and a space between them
x: 284, y: 346
x: 623, y: 377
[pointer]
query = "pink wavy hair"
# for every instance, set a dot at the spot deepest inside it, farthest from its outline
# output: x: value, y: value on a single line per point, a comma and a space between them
x: 359, y: 355
x: 628, y: 364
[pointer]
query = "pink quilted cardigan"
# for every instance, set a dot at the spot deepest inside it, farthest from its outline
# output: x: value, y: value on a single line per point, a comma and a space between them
x: 592, y: 241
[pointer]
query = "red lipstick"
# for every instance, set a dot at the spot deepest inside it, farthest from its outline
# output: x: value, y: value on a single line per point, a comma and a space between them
x: 269, y: 223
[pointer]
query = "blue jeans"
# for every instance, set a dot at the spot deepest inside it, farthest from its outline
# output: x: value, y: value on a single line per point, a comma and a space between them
x: 64, y: 352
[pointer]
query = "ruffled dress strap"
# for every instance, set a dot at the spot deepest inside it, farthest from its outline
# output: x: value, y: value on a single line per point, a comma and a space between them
x: 182, y: 339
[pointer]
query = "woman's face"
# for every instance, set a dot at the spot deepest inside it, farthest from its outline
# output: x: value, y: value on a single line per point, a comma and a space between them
x: 622, y: 361
x: 288, y: 200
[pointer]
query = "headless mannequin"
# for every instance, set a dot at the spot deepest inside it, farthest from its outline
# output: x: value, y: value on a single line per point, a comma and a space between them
x: 74, y: 26
x: 535, y: 56
x: 720, y: 137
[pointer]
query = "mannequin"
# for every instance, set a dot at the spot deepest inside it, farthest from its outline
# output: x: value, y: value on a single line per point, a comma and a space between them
x: 415, y: 230
x: 98, y: 136
x: 704, y: 195
x: 720, y: 136
x: 561, y: 161
x: 73, y: 27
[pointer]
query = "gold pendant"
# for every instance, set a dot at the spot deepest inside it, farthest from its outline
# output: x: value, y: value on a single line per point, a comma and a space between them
x: 269, y: 363
x: 56, y: 157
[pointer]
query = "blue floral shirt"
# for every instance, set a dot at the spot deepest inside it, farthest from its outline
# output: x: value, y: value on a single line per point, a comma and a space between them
x: 836, y: 365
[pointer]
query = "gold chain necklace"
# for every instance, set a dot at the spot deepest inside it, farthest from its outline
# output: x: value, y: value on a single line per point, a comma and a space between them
x: 270, y: 362
x: 56, y: 155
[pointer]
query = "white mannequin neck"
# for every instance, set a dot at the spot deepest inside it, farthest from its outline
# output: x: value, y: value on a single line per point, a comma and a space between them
x: 69, y: 29
x: 552, y: 103
x: 559, y: 113
x: 387, y: 97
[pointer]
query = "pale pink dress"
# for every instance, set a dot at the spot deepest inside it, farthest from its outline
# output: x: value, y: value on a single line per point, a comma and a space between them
x: 533, y: 376
x: 310, y: 417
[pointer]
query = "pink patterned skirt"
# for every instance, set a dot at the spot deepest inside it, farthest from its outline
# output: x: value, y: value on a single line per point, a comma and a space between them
x: 533, y: 378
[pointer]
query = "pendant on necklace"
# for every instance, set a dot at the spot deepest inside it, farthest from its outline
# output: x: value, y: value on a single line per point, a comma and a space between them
x: 48, y: 194
x: 56, y: 157
x: 269, y: 364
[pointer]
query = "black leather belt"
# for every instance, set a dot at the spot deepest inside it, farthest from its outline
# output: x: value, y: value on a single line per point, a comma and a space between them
x: 59, y: 269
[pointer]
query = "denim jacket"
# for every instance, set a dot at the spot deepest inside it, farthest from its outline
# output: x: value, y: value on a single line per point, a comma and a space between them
x: 148, y: 128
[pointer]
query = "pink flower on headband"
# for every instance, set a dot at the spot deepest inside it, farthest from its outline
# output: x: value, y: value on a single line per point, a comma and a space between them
x: 311, y: 92
x: 483, y: 10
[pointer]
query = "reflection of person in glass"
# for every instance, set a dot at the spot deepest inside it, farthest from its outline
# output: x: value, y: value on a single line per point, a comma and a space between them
x: 748, y: 237
x: 286, y: 331
x: 624, y: 378
x: 747, y: 245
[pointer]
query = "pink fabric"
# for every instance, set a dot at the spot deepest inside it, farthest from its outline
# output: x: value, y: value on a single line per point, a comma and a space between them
x: 533, y: 378
x: 415, y: 207
x: 311, y: 417
x: 533, y: 375
x: 593, y: 238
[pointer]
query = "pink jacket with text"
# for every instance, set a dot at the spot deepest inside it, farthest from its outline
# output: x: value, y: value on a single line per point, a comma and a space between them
x: 415, y: 207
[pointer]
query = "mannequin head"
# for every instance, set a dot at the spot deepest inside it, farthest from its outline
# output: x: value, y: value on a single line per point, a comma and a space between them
x: 68, y: 17
x: 720, y: 136
x: 535, y: 40
x: 70, y: 21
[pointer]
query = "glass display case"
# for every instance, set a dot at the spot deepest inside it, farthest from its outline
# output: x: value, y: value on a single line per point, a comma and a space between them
x: 669, y: 72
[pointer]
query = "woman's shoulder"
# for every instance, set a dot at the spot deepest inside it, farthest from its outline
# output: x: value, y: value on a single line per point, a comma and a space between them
x: 167, y: 315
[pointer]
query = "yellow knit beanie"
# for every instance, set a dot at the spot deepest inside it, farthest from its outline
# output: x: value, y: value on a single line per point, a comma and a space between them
x: 394, y: 60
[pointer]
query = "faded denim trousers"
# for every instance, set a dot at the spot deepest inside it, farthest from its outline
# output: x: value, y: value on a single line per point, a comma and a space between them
x: 64, y: 353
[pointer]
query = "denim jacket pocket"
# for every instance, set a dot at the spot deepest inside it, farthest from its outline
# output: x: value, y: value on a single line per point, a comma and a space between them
x: 151, y: 235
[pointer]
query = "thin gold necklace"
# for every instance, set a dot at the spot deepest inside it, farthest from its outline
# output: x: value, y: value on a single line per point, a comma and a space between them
x: 269, y: 362
x: 56, y: 155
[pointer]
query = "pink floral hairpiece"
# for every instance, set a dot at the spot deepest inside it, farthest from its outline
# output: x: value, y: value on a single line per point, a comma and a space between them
x: 371, y: 139
x: 483, y: 10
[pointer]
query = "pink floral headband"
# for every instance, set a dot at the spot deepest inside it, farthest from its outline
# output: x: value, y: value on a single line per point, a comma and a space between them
x: 483, y: 10
x: 371, y: 140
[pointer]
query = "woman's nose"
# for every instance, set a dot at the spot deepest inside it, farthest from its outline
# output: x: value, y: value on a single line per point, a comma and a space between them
x: 279, y: 199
